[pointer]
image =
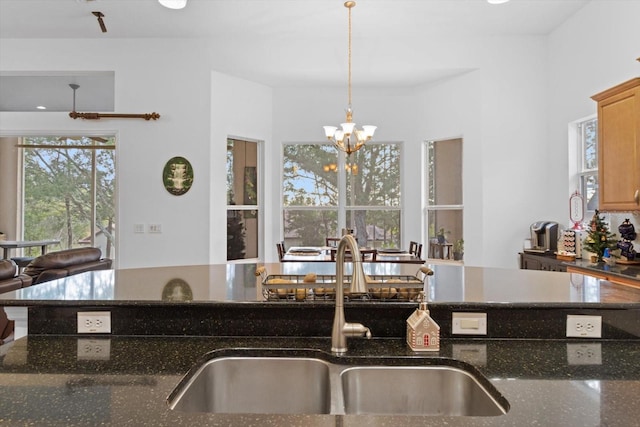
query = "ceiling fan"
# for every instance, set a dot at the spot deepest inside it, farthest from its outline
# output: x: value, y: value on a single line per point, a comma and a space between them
x: 97, y: 116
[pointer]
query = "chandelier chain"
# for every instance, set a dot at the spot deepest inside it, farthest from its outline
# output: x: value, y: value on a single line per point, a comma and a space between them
x: 349, y: 53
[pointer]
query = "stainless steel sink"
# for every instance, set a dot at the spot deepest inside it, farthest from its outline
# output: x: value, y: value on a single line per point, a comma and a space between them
x: 257, y: 385
x: 416, y: 390
x: 308, y: 385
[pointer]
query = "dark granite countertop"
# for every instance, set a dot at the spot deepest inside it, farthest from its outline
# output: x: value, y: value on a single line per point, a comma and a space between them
x: 238, y: 283
x: 45, y: 380
x: 56, y: 377
x: 623, y: 271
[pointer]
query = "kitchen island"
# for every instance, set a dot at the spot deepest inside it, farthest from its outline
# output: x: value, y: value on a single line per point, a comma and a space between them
x: 46, y: 382
x: 55, y: 376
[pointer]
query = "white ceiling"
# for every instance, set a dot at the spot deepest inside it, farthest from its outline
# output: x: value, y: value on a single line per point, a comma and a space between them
x: 390, y: 37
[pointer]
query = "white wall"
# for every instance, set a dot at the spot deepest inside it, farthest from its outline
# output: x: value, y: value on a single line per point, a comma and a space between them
x: 593, y: 51
x: 512, y: 112
x: 453, y: 109
x: 171, y: 77
x: 240, y: 109
x: 499, y: 110
x: 300, y: 113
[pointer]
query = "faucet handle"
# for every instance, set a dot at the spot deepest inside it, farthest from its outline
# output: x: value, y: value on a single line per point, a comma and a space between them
x: 356, y: 330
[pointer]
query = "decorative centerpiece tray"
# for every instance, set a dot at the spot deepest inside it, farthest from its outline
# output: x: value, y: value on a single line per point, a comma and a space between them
x: 319, y: 287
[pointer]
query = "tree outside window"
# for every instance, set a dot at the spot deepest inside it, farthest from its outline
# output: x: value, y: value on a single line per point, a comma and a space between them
x: 588, y: 163
x: 68, y: 192
x: 325, y: 191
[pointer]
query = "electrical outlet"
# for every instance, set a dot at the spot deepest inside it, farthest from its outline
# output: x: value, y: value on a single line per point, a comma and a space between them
x: 155, y: 228
x: 469, y: 323
x: 584, y: 326
x: 94, y: 322
x: 584, y: 354
x: 94, y: 349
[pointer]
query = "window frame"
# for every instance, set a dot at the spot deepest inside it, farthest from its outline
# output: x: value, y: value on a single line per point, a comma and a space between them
x: 258, y: 208
x: 342, y: 208
x: 430, y: 207
x: 24, y: 145
x: 582, y: 173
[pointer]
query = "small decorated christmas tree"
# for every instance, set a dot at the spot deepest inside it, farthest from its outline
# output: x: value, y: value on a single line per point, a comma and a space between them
x: 599, y: 238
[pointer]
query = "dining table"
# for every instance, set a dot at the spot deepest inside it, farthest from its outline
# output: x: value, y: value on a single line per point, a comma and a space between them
x: 9, y: 245
x: 327, y: 254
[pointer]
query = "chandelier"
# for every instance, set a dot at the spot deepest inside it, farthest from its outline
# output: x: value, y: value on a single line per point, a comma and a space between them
x: 349, y: 139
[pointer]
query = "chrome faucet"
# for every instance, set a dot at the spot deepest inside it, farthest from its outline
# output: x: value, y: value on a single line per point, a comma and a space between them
x: 342, y: 329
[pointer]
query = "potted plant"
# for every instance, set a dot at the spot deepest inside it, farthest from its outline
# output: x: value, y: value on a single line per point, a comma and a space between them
x: 458, y: 250
x: 441, y: 235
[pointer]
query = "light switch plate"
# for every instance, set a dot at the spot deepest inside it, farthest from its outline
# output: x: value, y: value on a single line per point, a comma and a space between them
x: 469, y: 323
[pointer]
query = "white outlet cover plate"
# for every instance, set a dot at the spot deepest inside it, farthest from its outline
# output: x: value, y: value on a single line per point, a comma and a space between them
x: 94, y: 322
x: 469, y: 323
x: 582, y: 326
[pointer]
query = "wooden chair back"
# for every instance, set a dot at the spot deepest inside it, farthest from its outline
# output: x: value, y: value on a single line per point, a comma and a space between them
x: 281, y: 251
x: 415, y: 248
x: 332, y: 242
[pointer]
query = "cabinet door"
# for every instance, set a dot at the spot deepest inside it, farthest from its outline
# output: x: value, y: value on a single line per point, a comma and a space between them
x: 528, y: 262
x: 619, y: 147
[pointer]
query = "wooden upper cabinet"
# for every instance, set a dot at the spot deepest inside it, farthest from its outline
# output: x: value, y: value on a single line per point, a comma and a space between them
x: 619, y: 147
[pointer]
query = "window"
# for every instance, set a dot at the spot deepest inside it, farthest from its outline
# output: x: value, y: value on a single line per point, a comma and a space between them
x: 68, y: 191
x: 325, y: 191
x: 444, y: 184
x: 587, y: 138
x: 242, y: 199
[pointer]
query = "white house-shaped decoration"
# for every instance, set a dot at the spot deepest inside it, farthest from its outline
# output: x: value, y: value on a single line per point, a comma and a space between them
x: 423, y: 333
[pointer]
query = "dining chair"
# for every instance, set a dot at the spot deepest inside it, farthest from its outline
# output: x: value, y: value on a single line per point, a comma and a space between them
x: 332, y: 242
x: 413, y: 247
x: 419, y: 251
x: 281, y: 251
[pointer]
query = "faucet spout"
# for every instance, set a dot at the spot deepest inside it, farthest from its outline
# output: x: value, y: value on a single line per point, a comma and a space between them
x: 341, y: 329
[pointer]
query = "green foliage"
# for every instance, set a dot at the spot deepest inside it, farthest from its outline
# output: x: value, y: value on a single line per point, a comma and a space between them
x: 458, y: 246
x: 58, y: 190
x: 235, y: 235
x: 599, y: 238
x: 310, y: 179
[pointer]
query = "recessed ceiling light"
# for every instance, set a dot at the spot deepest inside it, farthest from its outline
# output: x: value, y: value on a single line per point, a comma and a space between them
x: 41, y: 107
x: 497, y: 1
x: 173, y: 4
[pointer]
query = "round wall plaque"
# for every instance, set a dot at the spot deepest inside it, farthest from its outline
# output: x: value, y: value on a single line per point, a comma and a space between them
x: 177, y: 176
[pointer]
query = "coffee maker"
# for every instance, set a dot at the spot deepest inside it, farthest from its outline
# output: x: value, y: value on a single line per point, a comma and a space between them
x: 544, y: 237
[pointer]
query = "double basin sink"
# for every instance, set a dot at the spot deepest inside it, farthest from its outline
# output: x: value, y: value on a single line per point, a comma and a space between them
x: 311, y: 385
